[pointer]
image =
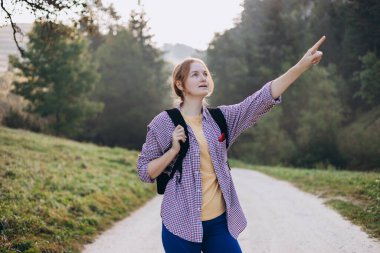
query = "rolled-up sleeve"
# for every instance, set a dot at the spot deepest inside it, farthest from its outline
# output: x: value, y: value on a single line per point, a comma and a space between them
x: 245, y: 114
x: 150, y: 151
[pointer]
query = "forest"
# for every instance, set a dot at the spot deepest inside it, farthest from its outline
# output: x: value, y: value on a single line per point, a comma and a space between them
x: 104, y: 85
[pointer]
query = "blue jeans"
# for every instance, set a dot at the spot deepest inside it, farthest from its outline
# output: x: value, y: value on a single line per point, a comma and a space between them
x: 216, y: 239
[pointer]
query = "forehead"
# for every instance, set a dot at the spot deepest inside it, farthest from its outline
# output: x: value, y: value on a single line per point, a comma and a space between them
x: 197, y: 66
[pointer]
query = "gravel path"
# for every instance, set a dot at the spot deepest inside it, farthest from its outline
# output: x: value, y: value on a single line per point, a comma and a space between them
x: 281, y: 219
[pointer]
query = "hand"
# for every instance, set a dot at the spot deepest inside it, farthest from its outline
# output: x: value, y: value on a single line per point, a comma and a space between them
x: 178, y: 135
x: 312, y: 56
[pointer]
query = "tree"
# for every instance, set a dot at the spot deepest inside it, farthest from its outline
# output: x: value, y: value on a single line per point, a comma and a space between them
x: 271, y: 37
x: 359, y: 141
x: 268, y: 39
x: 133, y: 88
x: 58, y: 75
x: 138, y: 26
x: 369, y: 78
x: 152, y: 57
x: 226, y: 59
x: 96, y: 20
x: 352, y: 30
x: 319, y: 119
x: 265, y: 143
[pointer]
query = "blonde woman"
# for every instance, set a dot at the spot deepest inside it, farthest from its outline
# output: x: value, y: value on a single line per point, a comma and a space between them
x: 200, y: 210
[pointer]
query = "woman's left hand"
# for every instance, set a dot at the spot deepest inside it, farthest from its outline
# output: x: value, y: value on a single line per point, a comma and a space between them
x: 312, y: 56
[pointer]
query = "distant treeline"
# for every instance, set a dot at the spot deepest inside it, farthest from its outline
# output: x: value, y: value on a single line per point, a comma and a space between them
x: 106, y: 88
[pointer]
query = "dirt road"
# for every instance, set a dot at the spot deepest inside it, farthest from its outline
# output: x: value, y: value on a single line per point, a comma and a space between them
x: 281, y: 219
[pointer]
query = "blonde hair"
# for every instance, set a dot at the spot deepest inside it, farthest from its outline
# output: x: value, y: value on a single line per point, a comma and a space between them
x: 180, y: 73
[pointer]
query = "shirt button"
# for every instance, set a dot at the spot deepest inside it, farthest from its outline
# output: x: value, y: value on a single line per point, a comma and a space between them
x: 199, y: 208
x: 198, y: 190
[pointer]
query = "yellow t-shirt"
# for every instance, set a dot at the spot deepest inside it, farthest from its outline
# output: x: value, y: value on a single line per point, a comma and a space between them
x: 213, y: 203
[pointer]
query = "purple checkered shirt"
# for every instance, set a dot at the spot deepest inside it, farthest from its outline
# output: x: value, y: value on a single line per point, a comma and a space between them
x: 182, y: 202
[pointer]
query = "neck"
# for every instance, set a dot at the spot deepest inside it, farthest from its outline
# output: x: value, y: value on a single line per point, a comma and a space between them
x: 191, y: 107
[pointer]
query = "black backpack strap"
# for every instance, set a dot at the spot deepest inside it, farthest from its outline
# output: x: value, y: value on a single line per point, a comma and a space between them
x: 218, y: 116
x: 177, y: 119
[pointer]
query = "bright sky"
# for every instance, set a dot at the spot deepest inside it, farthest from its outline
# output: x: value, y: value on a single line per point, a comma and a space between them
x: 182, y: 21
x: 190, y: 22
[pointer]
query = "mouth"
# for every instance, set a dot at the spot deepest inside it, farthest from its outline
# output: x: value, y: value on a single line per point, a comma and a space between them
x: 203, y: 86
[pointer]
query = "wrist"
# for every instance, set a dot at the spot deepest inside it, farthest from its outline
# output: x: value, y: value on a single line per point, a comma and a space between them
x: 299, y: 68
x: 174, y: 151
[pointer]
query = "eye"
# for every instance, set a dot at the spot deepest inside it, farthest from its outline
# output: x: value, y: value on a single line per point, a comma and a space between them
x: 195, y: 74
x: 205, y: 73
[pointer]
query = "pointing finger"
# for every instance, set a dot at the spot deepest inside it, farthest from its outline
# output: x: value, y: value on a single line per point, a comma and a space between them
x: 317, y: 45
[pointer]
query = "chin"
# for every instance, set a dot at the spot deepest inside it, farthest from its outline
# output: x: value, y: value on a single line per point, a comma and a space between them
x: 204, y: 94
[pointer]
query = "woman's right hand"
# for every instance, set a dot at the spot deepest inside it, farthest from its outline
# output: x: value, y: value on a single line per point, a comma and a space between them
x: 178, y: 135
x: 312, y: 56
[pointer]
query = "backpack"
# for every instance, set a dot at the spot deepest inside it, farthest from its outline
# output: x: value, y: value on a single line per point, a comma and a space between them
x: 177, y: 119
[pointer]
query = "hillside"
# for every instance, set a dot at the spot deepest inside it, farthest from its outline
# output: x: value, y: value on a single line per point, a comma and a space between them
x: 177, y: 52
x: 56, y: 194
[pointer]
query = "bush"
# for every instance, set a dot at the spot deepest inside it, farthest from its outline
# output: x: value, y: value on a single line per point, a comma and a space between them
x: 17, y: 119
x: 359, y: 142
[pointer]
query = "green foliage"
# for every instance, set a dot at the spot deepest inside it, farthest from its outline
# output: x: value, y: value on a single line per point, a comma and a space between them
x: 95, y: 20
x: 132, y: 87
x: 359, y: 141
x: 352, y: 31
x: 270, y: 39
x: 225, y: 57
x: 57, y: 74
x: 253, y: 52
x: 265, y: 143
x: 16, y: 119
x: 361, y: 33
x: 369, y: 78
x: 138, y: 26
x: 319, y: 120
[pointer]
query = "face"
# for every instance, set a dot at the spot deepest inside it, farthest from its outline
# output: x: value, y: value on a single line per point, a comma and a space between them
x: 197, y: 84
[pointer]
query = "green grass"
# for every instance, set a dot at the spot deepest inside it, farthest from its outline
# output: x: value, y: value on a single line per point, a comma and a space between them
x: 355, y: 195
x: 57, y: 194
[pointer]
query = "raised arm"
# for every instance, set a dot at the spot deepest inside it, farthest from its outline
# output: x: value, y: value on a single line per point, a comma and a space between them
x: 312, y: 56
x: 245, y: 114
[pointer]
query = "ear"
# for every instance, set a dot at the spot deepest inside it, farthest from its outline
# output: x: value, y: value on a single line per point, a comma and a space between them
x: 179, y: 85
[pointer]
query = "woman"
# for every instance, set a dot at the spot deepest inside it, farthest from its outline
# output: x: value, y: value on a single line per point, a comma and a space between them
x: 201, y: 212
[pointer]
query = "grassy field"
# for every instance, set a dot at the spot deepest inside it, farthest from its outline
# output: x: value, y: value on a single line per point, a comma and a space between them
x: 355, y: 195
x: 56, y: 194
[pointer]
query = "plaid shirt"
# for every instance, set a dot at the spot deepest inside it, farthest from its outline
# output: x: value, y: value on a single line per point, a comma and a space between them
x: 182, y: 202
